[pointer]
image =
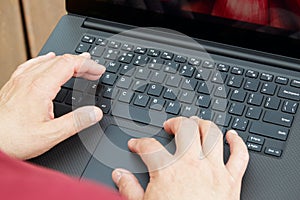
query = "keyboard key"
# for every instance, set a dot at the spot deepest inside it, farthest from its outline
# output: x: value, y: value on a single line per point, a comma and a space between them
x: 281, y: 80
x: 203, y: 74
x: 111, y: 54
x: 180, y: 59
x: 187, y: 71
x: 109, y: 79
x: 255, y: 99
x: 187, y: 97
x: 88, y: 39
x: 126, y: 96
x: 236, y: 109
x: 219, y: 77
x: 74, y: 98
x: 142, y: 73
x: 189, y: 111
x: 206, y: 114
x: 272, y: 103
x: 237, y: 70
x: 157, y: 104
x: 110, y: 93
x: 127, y: 47
x: 141, y: 60
x: 235, y: 81
x: 83, y: 47
x: 266, y: 77
x: 114, y: 44
x: 253, y: 113
x: 295, y: 83
x: 240, y: 124
x: 195, y: 61
x: 104, y: 105
x: 278, y: 118
x: 155, y: 63
x: 222, y: 119
x: 238, y: 95
x: 254, y: 147
x: 268, y: 88
x: 273, y: 151
x: 220, y: 104
x: 252, y: 74
x: 140, y: 86
x: 205, y: 87
x: 269, y: 130
x: 189, y: 84
x: 141, y: 100
x: 153, y: 53
x: 203, y: 101
x: 126, y: 58
x: 173, y: 108
x: 155, y: 90
x: 140, y: 50
x: 127, y: 70
x: 289, y: 93
x: 97, y: 51
x: 171, y: 93
x: 173, y: 80
x: 158, y: 77
x: 256, y: 139
x: 251, y: 85
x: 222, y: 67
x: 101, y: 42
x: 124, y: 82
x: 290, y: 106
x: 208, y: 64
x: 113, y: 67
x: 167, y: 55
x: 221, y: 91
x: 61, y: 95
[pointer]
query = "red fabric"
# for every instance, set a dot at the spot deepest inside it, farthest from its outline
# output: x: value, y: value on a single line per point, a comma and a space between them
x: 21, y: 180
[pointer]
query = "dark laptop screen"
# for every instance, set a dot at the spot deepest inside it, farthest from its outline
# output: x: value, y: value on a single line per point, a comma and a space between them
x: 267, y: 25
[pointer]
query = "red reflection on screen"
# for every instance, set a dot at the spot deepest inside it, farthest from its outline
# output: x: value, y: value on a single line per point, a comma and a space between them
x: 277, y: 13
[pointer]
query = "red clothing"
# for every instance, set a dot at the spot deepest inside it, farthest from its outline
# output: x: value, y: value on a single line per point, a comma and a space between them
x: 21, y: 180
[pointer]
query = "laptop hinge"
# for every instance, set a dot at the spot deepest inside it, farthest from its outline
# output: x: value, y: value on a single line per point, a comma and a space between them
x: 208, y: 46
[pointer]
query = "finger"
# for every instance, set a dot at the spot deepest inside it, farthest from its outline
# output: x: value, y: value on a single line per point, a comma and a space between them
x: 33, y: 62
x: 239, y: 156
x: 129, y: 186
x: 67, y: 125
x: 211, y: 138
x: 187, y: 136
x: 153, y: 154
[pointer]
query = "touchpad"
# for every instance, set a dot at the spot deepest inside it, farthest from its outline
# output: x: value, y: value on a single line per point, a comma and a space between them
x: 112, y: 152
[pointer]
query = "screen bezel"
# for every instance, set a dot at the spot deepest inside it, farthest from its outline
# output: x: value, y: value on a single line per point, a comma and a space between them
x: 215, y: 29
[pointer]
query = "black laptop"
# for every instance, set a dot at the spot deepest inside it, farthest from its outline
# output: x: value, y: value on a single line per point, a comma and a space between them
x: 233, y: 62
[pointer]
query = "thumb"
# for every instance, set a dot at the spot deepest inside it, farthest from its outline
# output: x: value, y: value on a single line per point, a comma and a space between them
x: 75, y: 121
x: 129, y: 186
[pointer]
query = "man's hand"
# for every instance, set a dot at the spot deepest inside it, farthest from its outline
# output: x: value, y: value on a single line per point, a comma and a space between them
x: 28, y: 126
x: 195, y: 171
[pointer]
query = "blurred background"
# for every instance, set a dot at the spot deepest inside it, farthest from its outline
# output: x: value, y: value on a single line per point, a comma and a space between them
x: 24, y: 27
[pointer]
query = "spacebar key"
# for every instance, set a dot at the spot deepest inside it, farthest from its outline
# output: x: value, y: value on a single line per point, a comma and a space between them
x: 138, y: 114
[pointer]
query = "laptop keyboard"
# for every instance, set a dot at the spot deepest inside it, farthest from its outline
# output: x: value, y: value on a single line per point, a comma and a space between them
x: 140, y: 82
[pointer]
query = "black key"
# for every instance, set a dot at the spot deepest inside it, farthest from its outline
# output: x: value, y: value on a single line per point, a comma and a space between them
x: 173, y: 80
x: 235, y: 81
x: 173, y: 107
x: 236, y: 109
x: 155, y: 63
x: 208, y: 64
x: 203, y: 74
x: 252, y: 74
x: 180, y: 59
x: 254, y: 147
x: 111, y: 54
x: 101, y: 42
x: 77, y: 84
x: 189, y: 111
x: 240, y: 124
x: 221, y: 91
x: 268, y: 88
x: 139, y: 114
x: 127, y: 70
x: 189, y: 84
x: 251, y: 84
x: 126, y: 58
x: 114, y: 44
x: 205, y: 87
x: 256, y: 139
x: 195, y: 61
x: 220, y: 104
x: 157, y: 104
x: 110, y: 93
x: 269, y: 130
x: 155, y: 90
x: 290, y: 106
x: 113, y: 67
x: 187, y: 97
x: 92, y: 88
x: 272, y: 103
x: 203, y: 101
x: 255, y: 99
x: 126, y: 96
x: 295, y: 83
x: 273, y: 151
x: 238, y: 95
x: 61, y: 95
x: 278, y: 118
x: 266, y: 77
x: 83, y: 47
x: 219, y: 77
x: 74, y: 98
x: 140, y: 86
x: 88, y: 39
x: 153, y: 52
x: 205, y: 114
x: 109, y: 79
x: 158, y: 77
x: 142, y: 73
x: 141, y: 100
x: 140, y: 50
x: 171, y: 93
x: 124, y: 82
x: 167, y: 55
x: 173, y: 66
x: 104, y: 105
x: 99, y: 60
x: 253, y: 113
x: 223, y: 68
x: 237, y: 70
x: 289, y: 93
x: 97, y: 51
x: 141, y: 60
x: 222, y: 119
x: 187, y: 71
x: 281, y: 80
x: 127, y: 47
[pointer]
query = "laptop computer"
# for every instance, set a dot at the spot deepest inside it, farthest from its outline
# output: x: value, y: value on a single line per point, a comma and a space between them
x: 233, y: 62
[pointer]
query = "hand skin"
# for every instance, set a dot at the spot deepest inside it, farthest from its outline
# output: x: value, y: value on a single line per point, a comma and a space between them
x: 195, y: 171
x: 28, y: 126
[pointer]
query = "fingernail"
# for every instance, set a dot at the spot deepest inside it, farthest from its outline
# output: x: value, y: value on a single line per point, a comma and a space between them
x: 85, y: 54
x: 131, y: 141
x: 95, y: 115
x: 117, y: 175
x: 50, y: 54
x: 233, y: 132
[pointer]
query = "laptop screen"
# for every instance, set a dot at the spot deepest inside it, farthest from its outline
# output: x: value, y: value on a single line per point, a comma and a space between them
x: 267, y: 25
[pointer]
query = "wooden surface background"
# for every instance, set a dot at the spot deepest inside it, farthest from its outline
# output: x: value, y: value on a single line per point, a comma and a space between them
x: 24, y: 27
